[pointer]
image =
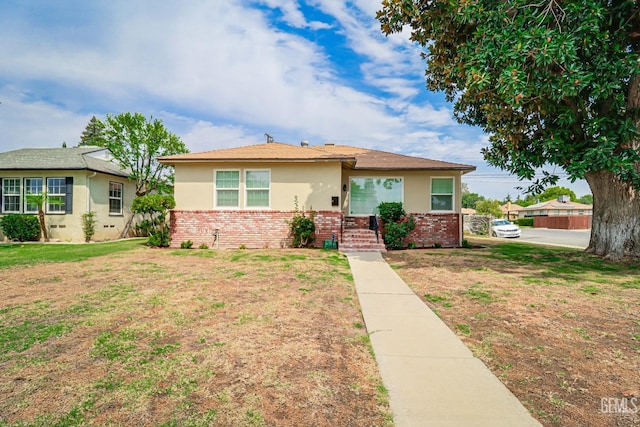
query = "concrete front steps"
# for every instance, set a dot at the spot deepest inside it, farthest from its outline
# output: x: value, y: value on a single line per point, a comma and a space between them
x: 361, y: 240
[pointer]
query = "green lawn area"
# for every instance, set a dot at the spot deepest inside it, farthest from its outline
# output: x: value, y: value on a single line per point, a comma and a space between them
x: 15, y: 254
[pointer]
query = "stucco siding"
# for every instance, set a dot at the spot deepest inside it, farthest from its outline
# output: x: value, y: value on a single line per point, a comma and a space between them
x: 314, y: 184
x: 416, y: 187
x: 89, y: 194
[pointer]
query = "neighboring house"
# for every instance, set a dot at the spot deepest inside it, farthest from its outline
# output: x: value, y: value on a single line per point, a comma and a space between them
x: 76, y: 180
x: 246, y: 195
x: 510, y: 210
x: 559, y: 214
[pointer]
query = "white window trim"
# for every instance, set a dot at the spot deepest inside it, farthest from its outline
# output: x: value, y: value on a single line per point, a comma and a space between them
x: 215, y: 189
x: 49, y: 194
x: 24, y: 187
x: 453, y: 194
x: 243, y: 183
x: 19, y: 194
x: 402, y: 178
x: 121, y: 198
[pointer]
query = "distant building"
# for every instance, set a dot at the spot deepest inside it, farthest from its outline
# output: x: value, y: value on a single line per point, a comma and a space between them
x: 559, y: 214
x: 510, y: 210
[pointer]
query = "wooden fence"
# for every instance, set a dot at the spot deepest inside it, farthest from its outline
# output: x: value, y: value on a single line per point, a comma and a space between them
x: 573, y: 222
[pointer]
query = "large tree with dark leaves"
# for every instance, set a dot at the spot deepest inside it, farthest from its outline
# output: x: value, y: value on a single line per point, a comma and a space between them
x: 556, y: 84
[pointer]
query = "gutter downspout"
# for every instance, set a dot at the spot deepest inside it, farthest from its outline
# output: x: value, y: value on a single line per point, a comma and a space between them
x: 89, y: 191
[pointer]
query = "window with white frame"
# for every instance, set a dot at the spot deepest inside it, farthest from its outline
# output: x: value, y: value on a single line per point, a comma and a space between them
x: 56, y: 195
x: 257, y: 184
x: 227, y: 188
x: 115, y: 198
x: 365, y: 194
x: 10, y: 195
x: 442, y: 194
x: 32, y: 187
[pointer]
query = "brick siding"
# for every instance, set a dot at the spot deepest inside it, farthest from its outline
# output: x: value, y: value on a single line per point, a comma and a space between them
x: 253, y: 229
x: 269, y: 229
x: 435, y: 228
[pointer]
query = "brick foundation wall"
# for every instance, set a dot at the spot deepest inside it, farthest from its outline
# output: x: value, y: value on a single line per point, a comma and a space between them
x: 435, y: 228
x: 253, y: 229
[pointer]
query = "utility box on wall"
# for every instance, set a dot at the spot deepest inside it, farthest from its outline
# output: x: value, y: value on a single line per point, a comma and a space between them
x: 335, y: 201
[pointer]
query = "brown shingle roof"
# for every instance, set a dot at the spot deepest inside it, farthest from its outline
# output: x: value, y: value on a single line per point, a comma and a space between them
x: 361, y: 158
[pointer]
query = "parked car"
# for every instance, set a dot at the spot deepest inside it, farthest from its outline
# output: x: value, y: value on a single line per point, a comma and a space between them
x: 504, y: 228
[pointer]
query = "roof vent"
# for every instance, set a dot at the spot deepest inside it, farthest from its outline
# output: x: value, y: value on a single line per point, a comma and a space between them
x: 329, y: 144
x: 304, y: 143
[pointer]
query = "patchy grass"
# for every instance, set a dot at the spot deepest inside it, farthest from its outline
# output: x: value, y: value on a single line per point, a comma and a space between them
x: 559, y: 327
x: 19, y: 254
x: 184, y: 338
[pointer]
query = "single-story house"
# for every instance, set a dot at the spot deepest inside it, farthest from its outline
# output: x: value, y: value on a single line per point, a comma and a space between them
x: 244, y: 196
x: 559, y: 214
x: 556, y: 208
x: 511, y: 210
x: 76, y: 181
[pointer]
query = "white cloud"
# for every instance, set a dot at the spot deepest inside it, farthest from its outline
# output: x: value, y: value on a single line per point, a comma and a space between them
x: 36, y: 124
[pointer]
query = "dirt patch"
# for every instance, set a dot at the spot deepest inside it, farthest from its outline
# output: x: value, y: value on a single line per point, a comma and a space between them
x: 160, y: 337
x: 560, y: 329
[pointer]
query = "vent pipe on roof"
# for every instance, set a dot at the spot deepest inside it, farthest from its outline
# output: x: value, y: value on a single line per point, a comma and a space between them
x: 304, y: 143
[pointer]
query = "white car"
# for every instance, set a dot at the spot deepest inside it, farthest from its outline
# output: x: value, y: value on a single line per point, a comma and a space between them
x: 504, y: 228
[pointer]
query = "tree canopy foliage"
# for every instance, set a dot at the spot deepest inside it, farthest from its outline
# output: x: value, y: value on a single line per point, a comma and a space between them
x: 93, y: 133
x: 553, y: 83
x: 489, y: 207
x: 135, y: 143
x: 469, y: 200
x: 548, y: 80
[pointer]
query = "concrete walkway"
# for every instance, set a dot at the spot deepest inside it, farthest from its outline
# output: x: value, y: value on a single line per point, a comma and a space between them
x: 432, y: 377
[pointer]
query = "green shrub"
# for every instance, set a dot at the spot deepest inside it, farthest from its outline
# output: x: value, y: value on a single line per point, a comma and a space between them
x: 186, y: 245
x: 23, y: 228
x: 89, y: 225
x: 391, y: 211
x: 524, y: 222
x: 154, y: 209
x: 203, y: 246
x: 301, y: 227
x: 397, y: 225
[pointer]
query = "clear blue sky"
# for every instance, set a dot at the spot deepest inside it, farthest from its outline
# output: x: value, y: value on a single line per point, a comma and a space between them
x: 222, y: 73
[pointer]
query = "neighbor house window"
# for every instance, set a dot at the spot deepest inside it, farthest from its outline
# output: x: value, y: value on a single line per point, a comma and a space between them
x: 257, y: 185
x: 56, y: 195
x: 10, y: 195
x: 442, y: 194
x: 115, y: 198
x: 32, y: 187
x: 227, y: 184
x: 365, y: 194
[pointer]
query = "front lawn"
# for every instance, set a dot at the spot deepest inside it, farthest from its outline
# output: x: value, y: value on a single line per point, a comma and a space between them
x: 151, y: 337
x: 559, y: 327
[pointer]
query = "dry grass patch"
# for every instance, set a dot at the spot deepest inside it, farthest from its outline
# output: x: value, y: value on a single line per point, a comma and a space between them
x: 560, y: 328
x: 189, y: 338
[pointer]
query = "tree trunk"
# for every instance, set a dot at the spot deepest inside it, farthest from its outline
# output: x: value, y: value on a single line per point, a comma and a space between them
x: 615, y: 231
x: 43, y: 226
x: 127, y: 226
